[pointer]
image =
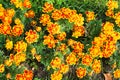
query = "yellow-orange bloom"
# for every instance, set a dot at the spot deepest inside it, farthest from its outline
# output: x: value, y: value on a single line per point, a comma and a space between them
x: 2, y: 68
x: 96, y: 66
x: 56, y: 14
x: 9, y: 44
x: 17, y: 30
x: 44, y: 19
x: 8, y: 76
x: 30, y: 14
x: 71, y: 59
x: 117, y: 73
x: 111, y: 4
x: 64, y: 68
x: 5, y: 29
x: 81, y: 72
x: 20, y: 46
x: 47, y: 7
x: 31, y: 36
x: 90, y: 15
x: 56, y: 76
x: 61, y: 36
x: 109, y: 13
x: 27, y: 4
x: 87, y: 60
x: 55, y: 63
x: 28, y: 74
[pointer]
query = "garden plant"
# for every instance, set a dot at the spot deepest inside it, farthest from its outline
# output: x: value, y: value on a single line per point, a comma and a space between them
x: 59, y: 39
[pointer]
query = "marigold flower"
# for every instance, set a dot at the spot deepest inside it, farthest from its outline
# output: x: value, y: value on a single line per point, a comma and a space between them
x: 44, y: 19
x: 7, y: 20
x: 10, y: 12
x: 56, y: 14
x: 17, y: 30
x: 111, y: 4
x: 81, y: 72
x: 38, y: 29
x: 27, y: 4
x: 64, y: 68
x: 47, y: 7
x: 53, y: 28
x: 19, y: 57
x: 20, y: 46
x: 109, y: 13
x: 90, y: 15
x: 2, y: 68
x: 50, y: 41
x: 38, y: 57
x: 5, y: 29
x: 78, y: 31
x: 56, y: 76
x: 71, y: 59
x: 8, y: 62
x: 87, y: 60
x: 31, y: 36
x: 30, y: 14
x: 17, y: 21
x: 117, y: 18
x: 20, y: 77
x: 61, y: 36
x: 62, y: 47
x: 9, y: 44
x: 28, y: 74
x: 117, y: 73
x: 8, y: 76
x: 55, y: 63
x: 96, y: 66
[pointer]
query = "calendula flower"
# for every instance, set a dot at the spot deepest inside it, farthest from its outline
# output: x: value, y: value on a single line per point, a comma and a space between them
x: 117, y: 73
x: 31, y: 36
x: 9, y: 44
x: 81, y: 72
x: 2, y: 68
x: 47, y: 7
x: 56, y: 76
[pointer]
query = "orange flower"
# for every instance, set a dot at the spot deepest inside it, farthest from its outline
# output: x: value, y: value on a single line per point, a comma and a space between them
x: 20, y: 46
x: 31, y: 36
x: 30, y: 14
x: 55, y: 63
x: 96, y: 66
x: 5, y: 29
x: 10, y: 12
x: 90, y: 15
x: 2, y: 68
x: 71, y: 59
x: 109, y: 13
x: 56, y: 76
x: 111, y: 4
x: 61, y: 36
x: 28, y: 74
x: 47, y: 7
x: 78, y: 31
x: 50, y: 41
x: 8, y: 76
x: 81, y: 72
x: 62, y: 47
x: 17, y: 30
x: 117, y: 73
x: 44, y: 19
x: 53, y: 28
x: 20, y: 77
x: 87, y: 60
x: 7, y: 20
x: 56, y: 14
x: 27, y: 4
x: 64, y: 68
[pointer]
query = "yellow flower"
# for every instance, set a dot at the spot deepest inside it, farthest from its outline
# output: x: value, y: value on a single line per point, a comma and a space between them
x: 20, y: 46
x: 47, y: 7
x: 56, y: 14
x: 2, y: 68
x: 56, y: 76
x: 55, y: 63
x: 64, y: 68
x: 96, y: 66
x: 38, y: 29
x: 117, y: 73
x: 17, y: 21
x: 71, y: 59
x: 31, y: 36
x: 81, y: 72
x: 38, y: 57
x: 90, y: 16
x: 87, y: 60
x: 8, y: 62
x: 9, y: 44
x: 111, y: 4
